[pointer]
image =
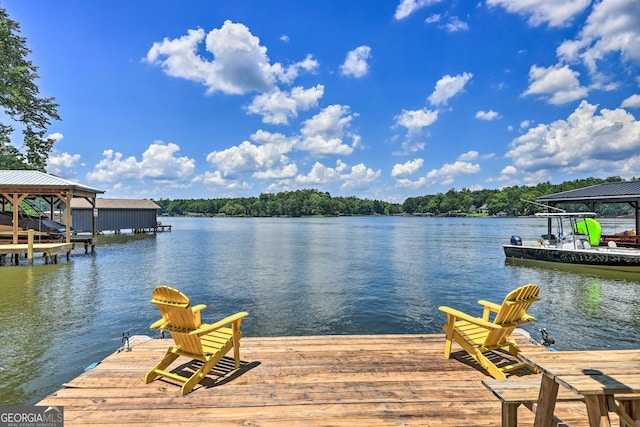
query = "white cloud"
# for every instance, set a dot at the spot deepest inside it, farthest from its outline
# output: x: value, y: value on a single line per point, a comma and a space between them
x: 414, y: 121
x: 289, y: 74
x: 558, y: 85
x: 215, y: 178
x: 555, y: 13
x: 324, y: 133
x: 455, y: 24
x: 506, y: 175
x: 407, y: 183
x: 407, y: 7
x: 509, y: 170
x: 268, y: 159
x: 487, y: 115
x: 159, y: 163
x: 433, y: 18
x: 62, y: 164
x: 536, y: 177
x: 631, y: 102
x: 448, y: 87
x: 407, y: 168
x: 56, y: 136
x: 321, y: 174
x: 612, y: 27
x: 468, y: 156
x: 359, y: 176
x: 448, y: 172
x: 287, y: 171
x: 354, y: 177
x: 355, y: 63
x: 238, y: 159
x: 240, y: 64
x: 587, y: 143
x: 276, y: 107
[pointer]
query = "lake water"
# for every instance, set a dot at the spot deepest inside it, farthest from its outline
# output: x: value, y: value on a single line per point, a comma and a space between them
x: 319, y: 276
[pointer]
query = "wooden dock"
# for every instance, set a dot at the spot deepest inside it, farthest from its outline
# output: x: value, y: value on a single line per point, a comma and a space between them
x: 374, y: 380
x: 49, y: 250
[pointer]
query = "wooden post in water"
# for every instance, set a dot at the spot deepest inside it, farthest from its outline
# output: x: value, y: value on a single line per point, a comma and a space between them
x: 30, y: 247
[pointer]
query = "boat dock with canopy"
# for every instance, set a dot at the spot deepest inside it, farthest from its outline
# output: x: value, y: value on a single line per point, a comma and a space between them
x: 610, y: 192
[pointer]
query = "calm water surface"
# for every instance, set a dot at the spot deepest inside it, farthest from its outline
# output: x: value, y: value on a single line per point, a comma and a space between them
x: 364, y: 275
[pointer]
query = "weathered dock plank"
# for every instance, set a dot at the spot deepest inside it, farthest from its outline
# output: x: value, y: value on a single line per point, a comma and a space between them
x: 380, y: 380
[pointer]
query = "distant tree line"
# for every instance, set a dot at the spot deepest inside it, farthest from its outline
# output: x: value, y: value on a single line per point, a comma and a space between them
x: 294, y: 203
x: 509, y: 201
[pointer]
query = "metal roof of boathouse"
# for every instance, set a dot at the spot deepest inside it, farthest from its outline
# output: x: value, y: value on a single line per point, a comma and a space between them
x: 40, y: 183
x: 609, y: 192
x: 116, y: 204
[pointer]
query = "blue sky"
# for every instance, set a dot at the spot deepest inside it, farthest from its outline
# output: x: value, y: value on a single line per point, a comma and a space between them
x: 374, y: 99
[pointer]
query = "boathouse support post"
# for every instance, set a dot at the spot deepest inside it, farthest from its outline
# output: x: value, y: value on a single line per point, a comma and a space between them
x: 636, y: 205
x: 15, y: 200
x: 65, y: 197
x: 30, y: 247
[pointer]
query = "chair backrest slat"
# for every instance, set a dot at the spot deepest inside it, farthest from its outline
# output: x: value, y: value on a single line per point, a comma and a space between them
x: 512, y: 312
x: 178, y: 318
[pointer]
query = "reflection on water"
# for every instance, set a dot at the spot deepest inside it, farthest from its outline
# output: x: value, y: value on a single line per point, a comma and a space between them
x: 294, y: 277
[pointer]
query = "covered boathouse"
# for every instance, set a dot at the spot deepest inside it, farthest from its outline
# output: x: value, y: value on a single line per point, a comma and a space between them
x: 115, y: 215
x: 17, y: 186
x: 36, y: 215
x: 595, y: 195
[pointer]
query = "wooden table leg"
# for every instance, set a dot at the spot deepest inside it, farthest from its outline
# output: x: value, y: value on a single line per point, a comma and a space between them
x: 597, y: 410
x: 546, y: 402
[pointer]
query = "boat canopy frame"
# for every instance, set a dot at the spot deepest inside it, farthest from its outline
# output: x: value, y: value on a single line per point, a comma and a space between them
x: 573, y: 218
x: 595, y: 195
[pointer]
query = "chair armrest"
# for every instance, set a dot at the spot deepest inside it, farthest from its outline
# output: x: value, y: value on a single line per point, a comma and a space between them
x: 491, y: 305
x: 205, y: 329
x: 196, y: 313
x: 156, y: 325
x: 464, y: 316
x: 488, y: 308
x: 198, y: 307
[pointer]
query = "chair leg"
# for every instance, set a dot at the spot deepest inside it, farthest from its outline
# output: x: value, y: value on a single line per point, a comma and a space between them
x: 167, y: 360
x: 236, y: 353
x: 193, y: 380
x: 487, y: 364
x: 201, y: 373
x: 448, y: 329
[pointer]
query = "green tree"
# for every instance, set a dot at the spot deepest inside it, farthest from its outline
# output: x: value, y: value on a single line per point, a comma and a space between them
x: 21, y: 103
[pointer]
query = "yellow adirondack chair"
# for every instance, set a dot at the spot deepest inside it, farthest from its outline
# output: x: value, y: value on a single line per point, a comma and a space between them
x: 479, y: 336
x: 193, y: 339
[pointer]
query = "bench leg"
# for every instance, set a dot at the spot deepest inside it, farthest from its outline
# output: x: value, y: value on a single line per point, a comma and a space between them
x: 510, y: 414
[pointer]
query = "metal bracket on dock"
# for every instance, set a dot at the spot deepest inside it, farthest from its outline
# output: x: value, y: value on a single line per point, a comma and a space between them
x: 125, y: 341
